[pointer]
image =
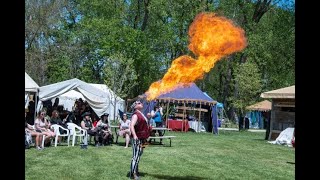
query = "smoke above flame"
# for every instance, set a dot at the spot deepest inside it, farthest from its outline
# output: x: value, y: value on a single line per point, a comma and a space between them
x: 211, y: 37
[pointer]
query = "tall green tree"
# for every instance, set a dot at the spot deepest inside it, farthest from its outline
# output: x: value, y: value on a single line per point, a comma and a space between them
x: 120, y: 76
x: 249, y: 86
x: 270, y: 33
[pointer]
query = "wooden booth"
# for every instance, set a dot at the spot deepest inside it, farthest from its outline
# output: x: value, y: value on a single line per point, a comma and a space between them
x: 282, y: 110
x: 185, y: 107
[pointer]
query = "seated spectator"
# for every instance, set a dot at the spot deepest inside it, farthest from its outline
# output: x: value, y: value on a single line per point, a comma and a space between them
x: 86, y: 124
x: 42, y: 125
x: 124, y: 129
x: 151, y: 120
x: 32, y: 131
x: 55, y: 119
x: 104, y: 130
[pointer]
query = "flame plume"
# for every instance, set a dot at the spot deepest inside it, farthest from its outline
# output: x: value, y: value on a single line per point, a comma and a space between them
x: 211, y: 38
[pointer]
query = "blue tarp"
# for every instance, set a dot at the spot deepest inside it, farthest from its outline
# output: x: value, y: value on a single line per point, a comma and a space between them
x: 214, y: 117
x: 188, y: 93
x: 219, y: 105
x: 148, y: 106
x: 256, y: 119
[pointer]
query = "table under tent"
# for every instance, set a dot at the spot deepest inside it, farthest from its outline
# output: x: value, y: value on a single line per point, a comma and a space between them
x: 185, y: 107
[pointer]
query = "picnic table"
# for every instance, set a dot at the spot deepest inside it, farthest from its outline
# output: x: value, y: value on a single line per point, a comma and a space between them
x: 156, y: 136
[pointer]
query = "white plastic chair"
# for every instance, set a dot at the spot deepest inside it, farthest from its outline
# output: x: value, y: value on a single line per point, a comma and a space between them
x: 76, y: 131
x: 56, y: 128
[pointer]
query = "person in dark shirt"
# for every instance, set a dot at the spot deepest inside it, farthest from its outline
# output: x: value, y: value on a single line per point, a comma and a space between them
x: 55, y: 119
x: 87, y: 124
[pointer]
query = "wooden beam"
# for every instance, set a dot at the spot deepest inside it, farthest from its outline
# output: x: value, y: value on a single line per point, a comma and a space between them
x: 167, y: 114
x: 184, y: 104
x: 192, y: 109
x: 271, y: 119
x: 199, y: 120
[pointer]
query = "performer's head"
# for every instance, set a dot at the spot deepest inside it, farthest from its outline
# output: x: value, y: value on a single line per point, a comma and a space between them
x: 137, y: 105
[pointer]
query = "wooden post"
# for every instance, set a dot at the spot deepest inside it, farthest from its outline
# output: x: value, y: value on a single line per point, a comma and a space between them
x: 184, y: 109
x: 35, y: 104
x: 199, y: 118
x: 271, y: 119
x: 167, y: 114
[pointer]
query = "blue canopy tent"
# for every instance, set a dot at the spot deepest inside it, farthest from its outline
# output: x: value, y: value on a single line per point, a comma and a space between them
x: 186, y: 94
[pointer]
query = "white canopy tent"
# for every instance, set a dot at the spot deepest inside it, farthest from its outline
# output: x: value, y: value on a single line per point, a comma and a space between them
x: 68, y: 99
x: 115, y: 102
x: 96, y: 98
x: 30, y: 86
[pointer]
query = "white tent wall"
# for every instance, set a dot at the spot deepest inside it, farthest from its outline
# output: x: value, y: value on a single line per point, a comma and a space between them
x: 115, y: 101
x: 96, y: 98
x: 26, y: 100
x: 31, y: 87
x: 68, y: 99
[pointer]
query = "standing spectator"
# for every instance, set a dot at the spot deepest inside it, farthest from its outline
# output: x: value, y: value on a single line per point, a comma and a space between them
x: 140, y: 133
x: 156, y: 115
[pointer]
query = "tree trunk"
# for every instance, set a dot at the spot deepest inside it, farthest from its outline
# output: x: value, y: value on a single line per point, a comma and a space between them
x: 261, y: 8
x: 146, y: 15
x: 137, y: 16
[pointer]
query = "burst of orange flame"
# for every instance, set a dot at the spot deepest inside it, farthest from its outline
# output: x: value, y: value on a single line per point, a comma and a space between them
x: 211, y: 38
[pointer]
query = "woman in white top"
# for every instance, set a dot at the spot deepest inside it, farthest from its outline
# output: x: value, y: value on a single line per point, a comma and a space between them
x: 42, y: 125
x: 124, y: 129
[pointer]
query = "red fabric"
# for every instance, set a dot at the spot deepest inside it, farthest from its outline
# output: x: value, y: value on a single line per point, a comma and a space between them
x: 178, y: 125
x: 141, y: 127
x: 95, y: 123
x: 293, y: 143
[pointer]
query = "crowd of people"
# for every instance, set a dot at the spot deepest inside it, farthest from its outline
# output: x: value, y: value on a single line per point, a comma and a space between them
x: 137, y: 130
x: 83, y: 116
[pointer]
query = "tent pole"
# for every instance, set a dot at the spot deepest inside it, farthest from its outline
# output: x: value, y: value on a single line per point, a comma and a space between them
x: 184, y: 109
x: 211, y: 119
x: 35, y: 105
x: 199, y: 118
x: 167, y: 114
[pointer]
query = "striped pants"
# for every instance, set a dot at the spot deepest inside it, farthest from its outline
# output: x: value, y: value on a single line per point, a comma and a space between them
x: 137, y: 151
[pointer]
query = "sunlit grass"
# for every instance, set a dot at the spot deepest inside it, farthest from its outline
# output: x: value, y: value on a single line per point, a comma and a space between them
x: 230, y: 155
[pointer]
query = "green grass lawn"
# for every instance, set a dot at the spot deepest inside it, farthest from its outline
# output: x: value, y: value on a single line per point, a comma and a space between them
x: 193, y: 156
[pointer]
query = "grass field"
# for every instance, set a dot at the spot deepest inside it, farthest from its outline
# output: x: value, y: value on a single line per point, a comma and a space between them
x: 193, y: 156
